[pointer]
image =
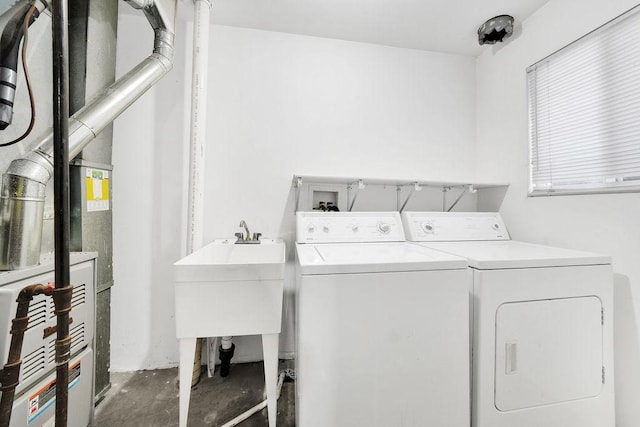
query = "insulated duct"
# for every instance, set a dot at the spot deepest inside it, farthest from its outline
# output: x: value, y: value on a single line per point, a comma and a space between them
x: 9, y: 49
x: 22, y: 194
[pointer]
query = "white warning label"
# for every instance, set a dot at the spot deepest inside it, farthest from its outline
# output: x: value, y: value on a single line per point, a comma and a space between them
x: 44, y: 398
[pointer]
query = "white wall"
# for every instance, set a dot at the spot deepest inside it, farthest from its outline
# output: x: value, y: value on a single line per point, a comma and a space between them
x: 602, y: 223
x: 278, y: 104
x: 282, y: 104
x: 147, y: 212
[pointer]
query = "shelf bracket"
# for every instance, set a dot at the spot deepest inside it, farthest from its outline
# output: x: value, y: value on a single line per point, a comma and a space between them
x: 355, y: 196
x: 444, y: 198
x: 297, y: 183
x: 416, y: 187
x: 469, y: 188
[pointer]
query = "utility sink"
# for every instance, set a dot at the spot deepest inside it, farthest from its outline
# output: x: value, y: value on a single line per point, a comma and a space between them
x: 229, y: 289
x: 224, y: 260
x: 226, y: 288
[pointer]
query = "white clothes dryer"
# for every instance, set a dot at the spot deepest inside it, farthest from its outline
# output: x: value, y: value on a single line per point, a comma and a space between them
x: 542, y: 332
x: 382, y: 326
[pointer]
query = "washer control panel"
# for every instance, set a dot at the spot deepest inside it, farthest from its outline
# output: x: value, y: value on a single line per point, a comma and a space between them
x: 453, y: 226
x: 345, y: 227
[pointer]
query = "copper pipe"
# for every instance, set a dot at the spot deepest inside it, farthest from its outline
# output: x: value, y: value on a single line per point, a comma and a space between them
x: 62, y: 301
x: 9, y: 376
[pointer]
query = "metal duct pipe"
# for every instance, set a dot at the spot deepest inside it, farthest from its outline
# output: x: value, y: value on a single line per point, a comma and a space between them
x: 9, y: 50
x: 23, y: 184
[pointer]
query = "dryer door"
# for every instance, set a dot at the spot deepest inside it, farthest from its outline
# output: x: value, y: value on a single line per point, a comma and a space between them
x: 547, y: 352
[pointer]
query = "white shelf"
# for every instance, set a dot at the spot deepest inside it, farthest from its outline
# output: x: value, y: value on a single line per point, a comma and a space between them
x: 386, y: 181
x: 355, y: 184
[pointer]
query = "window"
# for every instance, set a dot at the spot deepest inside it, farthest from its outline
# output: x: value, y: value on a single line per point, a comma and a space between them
x: 584, y: 113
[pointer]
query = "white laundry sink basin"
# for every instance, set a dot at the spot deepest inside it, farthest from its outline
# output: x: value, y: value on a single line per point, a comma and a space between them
x: 230, y: 289
x: 224, y: 260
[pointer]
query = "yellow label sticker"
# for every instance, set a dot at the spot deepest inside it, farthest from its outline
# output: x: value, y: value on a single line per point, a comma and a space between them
x: 97, y: 182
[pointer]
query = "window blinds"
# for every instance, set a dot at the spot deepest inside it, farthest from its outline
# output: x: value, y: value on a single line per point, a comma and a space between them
x: 584, y: 113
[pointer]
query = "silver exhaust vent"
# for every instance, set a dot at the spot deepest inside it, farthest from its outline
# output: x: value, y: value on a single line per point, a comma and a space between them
x: 23, y: 185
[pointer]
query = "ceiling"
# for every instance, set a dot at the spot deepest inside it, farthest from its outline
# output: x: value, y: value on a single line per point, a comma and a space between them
x: 448, y: 26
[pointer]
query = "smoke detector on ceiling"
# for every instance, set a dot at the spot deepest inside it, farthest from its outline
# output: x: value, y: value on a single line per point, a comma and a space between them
x: 495, y: 29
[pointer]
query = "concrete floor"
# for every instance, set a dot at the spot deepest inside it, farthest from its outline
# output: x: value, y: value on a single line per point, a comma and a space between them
x: 150, y: 399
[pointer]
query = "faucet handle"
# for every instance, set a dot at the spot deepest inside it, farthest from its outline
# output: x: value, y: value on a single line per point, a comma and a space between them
x: 239, y: 236
x: 256, y: 236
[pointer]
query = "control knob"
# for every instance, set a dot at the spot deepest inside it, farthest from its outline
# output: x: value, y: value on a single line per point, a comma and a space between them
x: 427, y: 227
x: 384, y: 227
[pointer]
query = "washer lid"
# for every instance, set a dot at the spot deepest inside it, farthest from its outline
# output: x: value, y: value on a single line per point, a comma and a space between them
x: 513, y: 254
x: 336, y: 258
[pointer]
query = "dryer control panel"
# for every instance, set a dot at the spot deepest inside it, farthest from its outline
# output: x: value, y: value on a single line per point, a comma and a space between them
x: 454, y: 226
x: 346, y: 227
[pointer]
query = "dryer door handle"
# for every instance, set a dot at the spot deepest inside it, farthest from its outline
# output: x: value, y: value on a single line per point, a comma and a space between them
x: 511, y: 358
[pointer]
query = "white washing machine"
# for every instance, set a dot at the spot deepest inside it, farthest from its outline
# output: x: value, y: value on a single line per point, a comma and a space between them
x: 382, y: 326
x: 542, y: 324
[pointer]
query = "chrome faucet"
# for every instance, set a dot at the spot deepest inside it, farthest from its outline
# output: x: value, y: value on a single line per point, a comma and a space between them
x: 243, y: 223
x: 247, y: 238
